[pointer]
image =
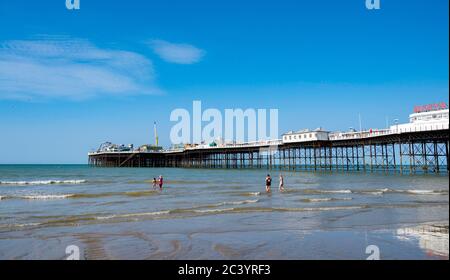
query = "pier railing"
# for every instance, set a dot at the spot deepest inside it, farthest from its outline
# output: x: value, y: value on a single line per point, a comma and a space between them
x: 335, y: 136
x: 395, y: 129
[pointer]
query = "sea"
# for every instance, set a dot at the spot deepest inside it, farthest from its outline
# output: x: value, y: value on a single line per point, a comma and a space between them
x: 117, y: 213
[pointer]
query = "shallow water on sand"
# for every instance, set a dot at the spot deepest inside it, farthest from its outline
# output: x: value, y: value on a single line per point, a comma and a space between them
x: 115, y: 213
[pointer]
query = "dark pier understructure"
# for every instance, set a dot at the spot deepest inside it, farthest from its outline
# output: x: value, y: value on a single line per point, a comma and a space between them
x: 405, y: 153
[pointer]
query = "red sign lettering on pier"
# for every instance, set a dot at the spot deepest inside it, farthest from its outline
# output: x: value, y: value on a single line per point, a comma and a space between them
x: 430, y: 107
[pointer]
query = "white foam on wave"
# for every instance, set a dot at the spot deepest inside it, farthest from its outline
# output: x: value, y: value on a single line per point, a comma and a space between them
x: 229, y: 210
x: 376, y: 193
x: 46, y: 196
x: 325, y: 199
x: 133, y: 215
x: 417, y: 192
x: 238, y: 202
x: 209, y: 211
x: 214, y: 210
x: 372, y: 192
x: 397, y: 191
x: 255, y: 193
x: 19, y: 225
x: 427, y: 192
x: 319, y: 199
x: 43, y: 182
x: 333, y: 208
x: 335, y: 191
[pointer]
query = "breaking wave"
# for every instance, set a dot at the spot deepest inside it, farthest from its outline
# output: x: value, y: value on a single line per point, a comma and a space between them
x: 252, y: 194
x: 80, y: 195
x: 241, y: 202
x: 214, y: 210
x: 12, y: 226
x: 373, y: 192
x: 45, y: 197
x: 238, y: 202
x: 132, y: 215
x: 326, y: 199
x: 415, y: 192
x: 313, y: 191
x: 239, y: 193
x: 276, y: 209
x: 426, y: 192
x: 43, y: 182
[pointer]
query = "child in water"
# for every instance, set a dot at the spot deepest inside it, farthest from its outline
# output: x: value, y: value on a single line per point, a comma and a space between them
x: 154, y: 182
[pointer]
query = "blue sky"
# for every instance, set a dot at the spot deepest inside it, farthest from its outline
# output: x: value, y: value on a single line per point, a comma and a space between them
x: 70, y: 80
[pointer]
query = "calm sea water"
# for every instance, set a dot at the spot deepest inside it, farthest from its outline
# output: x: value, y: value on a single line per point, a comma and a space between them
x: 115, y: 213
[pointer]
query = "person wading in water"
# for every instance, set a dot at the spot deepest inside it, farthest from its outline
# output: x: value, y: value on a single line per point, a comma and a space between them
x: 160, y: 182
x: 281, y: 186
x: 268, y: 183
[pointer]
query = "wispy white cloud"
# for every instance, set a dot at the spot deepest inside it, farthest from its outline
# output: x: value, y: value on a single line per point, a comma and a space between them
x: 177, y: 53
x: 71, y: 69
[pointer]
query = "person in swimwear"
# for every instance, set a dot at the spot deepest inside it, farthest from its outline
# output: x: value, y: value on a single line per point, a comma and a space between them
x: 268, y: 183
x: 154, y: 182
x: 281, y: 186
x: 160, y: 182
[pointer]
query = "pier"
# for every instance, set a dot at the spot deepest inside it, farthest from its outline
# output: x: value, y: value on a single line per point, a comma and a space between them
x: 419, y: 146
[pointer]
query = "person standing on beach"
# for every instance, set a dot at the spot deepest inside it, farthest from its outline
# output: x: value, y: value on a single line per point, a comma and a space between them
x: 160, y: 182
x: 154, y: 182
x: 268, y: 183
x: 281, y: 186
